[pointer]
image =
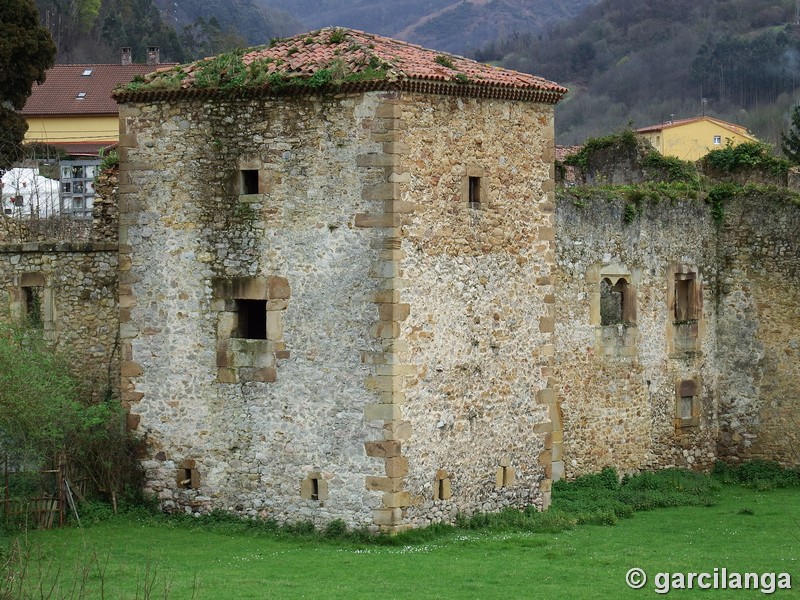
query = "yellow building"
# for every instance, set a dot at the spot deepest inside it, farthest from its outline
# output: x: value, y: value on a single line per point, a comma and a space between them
x: 73, y: 108
x: 691, y: 139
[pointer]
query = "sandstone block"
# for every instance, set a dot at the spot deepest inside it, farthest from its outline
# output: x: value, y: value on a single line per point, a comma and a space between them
x: 376, y: 160
x: 376, y: 220
x: 382, y: 412
x: 383, y: 449
x: 545, y: 396
x: 394, y: 312
x: 396, y: 499
x: 130, y: 368
x: 278, y: 288
x: 387, y: 516
x: 389, y: 110
x: 384, y: 484
x: 547, y: 324
x: 396, y: 466
x: 397, y: 430
x: 381, y: 191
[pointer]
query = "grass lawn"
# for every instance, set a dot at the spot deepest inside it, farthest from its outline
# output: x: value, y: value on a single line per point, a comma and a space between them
x: 747, y: 531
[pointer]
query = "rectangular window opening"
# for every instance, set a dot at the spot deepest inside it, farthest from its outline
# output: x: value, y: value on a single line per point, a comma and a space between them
x: 684, y: 300
x: 717, y: 140
x: 249, y: 181
x: 315, y: 489
x: 440, y: 491
x: 33, y: 306
x: 612, y: 299
x: 186, y: 479
x: 252, y: 319
x: 474, y: 191
x: 687, y: 403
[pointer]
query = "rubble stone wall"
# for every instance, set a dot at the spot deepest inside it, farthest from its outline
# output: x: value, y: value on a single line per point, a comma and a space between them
x: 477, y: 281
x: 271, y: 427
x: 759, y: 331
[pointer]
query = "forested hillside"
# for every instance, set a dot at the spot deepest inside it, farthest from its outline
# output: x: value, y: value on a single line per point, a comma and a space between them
x: 641, y: 61
x: 95, y: 30
x: 458, y: 26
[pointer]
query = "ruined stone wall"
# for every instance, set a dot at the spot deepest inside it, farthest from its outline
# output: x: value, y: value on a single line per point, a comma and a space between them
x: 759, y: 330
x: 69, y: 290
x: 477, y: 287
x: 619, y: 384
x: 272, y: 427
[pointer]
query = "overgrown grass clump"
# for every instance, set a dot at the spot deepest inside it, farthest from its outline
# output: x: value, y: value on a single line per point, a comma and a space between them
x: 602, y: 499
x: 758, y: 474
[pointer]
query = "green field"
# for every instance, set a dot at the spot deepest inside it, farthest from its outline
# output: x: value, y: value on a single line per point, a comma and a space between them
x: 746, y: 531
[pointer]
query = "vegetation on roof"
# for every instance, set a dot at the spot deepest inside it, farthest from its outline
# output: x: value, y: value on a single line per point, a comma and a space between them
x: 229, y: 71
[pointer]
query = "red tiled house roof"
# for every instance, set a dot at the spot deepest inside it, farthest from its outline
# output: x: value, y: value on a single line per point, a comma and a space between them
x: 60, y: 92
x: 341, y: 59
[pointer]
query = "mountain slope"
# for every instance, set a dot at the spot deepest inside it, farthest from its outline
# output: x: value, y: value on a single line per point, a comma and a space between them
x: 457, y: 26
x: 645, y: 62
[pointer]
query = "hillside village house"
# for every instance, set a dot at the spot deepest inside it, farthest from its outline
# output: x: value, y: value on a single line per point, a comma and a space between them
x: 73, y: 107
x: 73, y: 110
x: 691, y: 139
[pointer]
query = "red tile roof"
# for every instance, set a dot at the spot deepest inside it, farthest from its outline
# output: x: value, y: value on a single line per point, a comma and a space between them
x: 352, y: 59
x: 59, y: 94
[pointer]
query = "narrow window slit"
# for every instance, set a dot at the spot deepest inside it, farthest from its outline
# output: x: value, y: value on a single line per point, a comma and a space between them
x: 474, y: 191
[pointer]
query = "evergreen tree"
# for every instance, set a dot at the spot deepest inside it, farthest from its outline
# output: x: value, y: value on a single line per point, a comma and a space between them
x: 790, y: 141
x: 26, y: 52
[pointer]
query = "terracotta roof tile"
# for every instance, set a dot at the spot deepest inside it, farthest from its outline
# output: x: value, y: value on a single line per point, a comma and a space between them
x: 59, y: 94
x: 351, y: 56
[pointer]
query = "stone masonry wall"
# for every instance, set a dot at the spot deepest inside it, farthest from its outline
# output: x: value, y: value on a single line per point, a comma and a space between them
x: 272, y: 427
x: 477, y: 284
x: 72, y: 287
x: 759, y: 325
x: 618, y: 383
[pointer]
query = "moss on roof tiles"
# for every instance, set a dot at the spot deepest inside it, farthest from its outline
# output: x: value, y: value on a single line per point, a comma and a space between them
x: 330, y: 58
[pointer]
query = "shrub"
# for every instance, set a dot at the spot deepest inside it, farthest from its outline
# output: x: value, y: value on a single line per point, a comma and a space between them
x: 750, y: 155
